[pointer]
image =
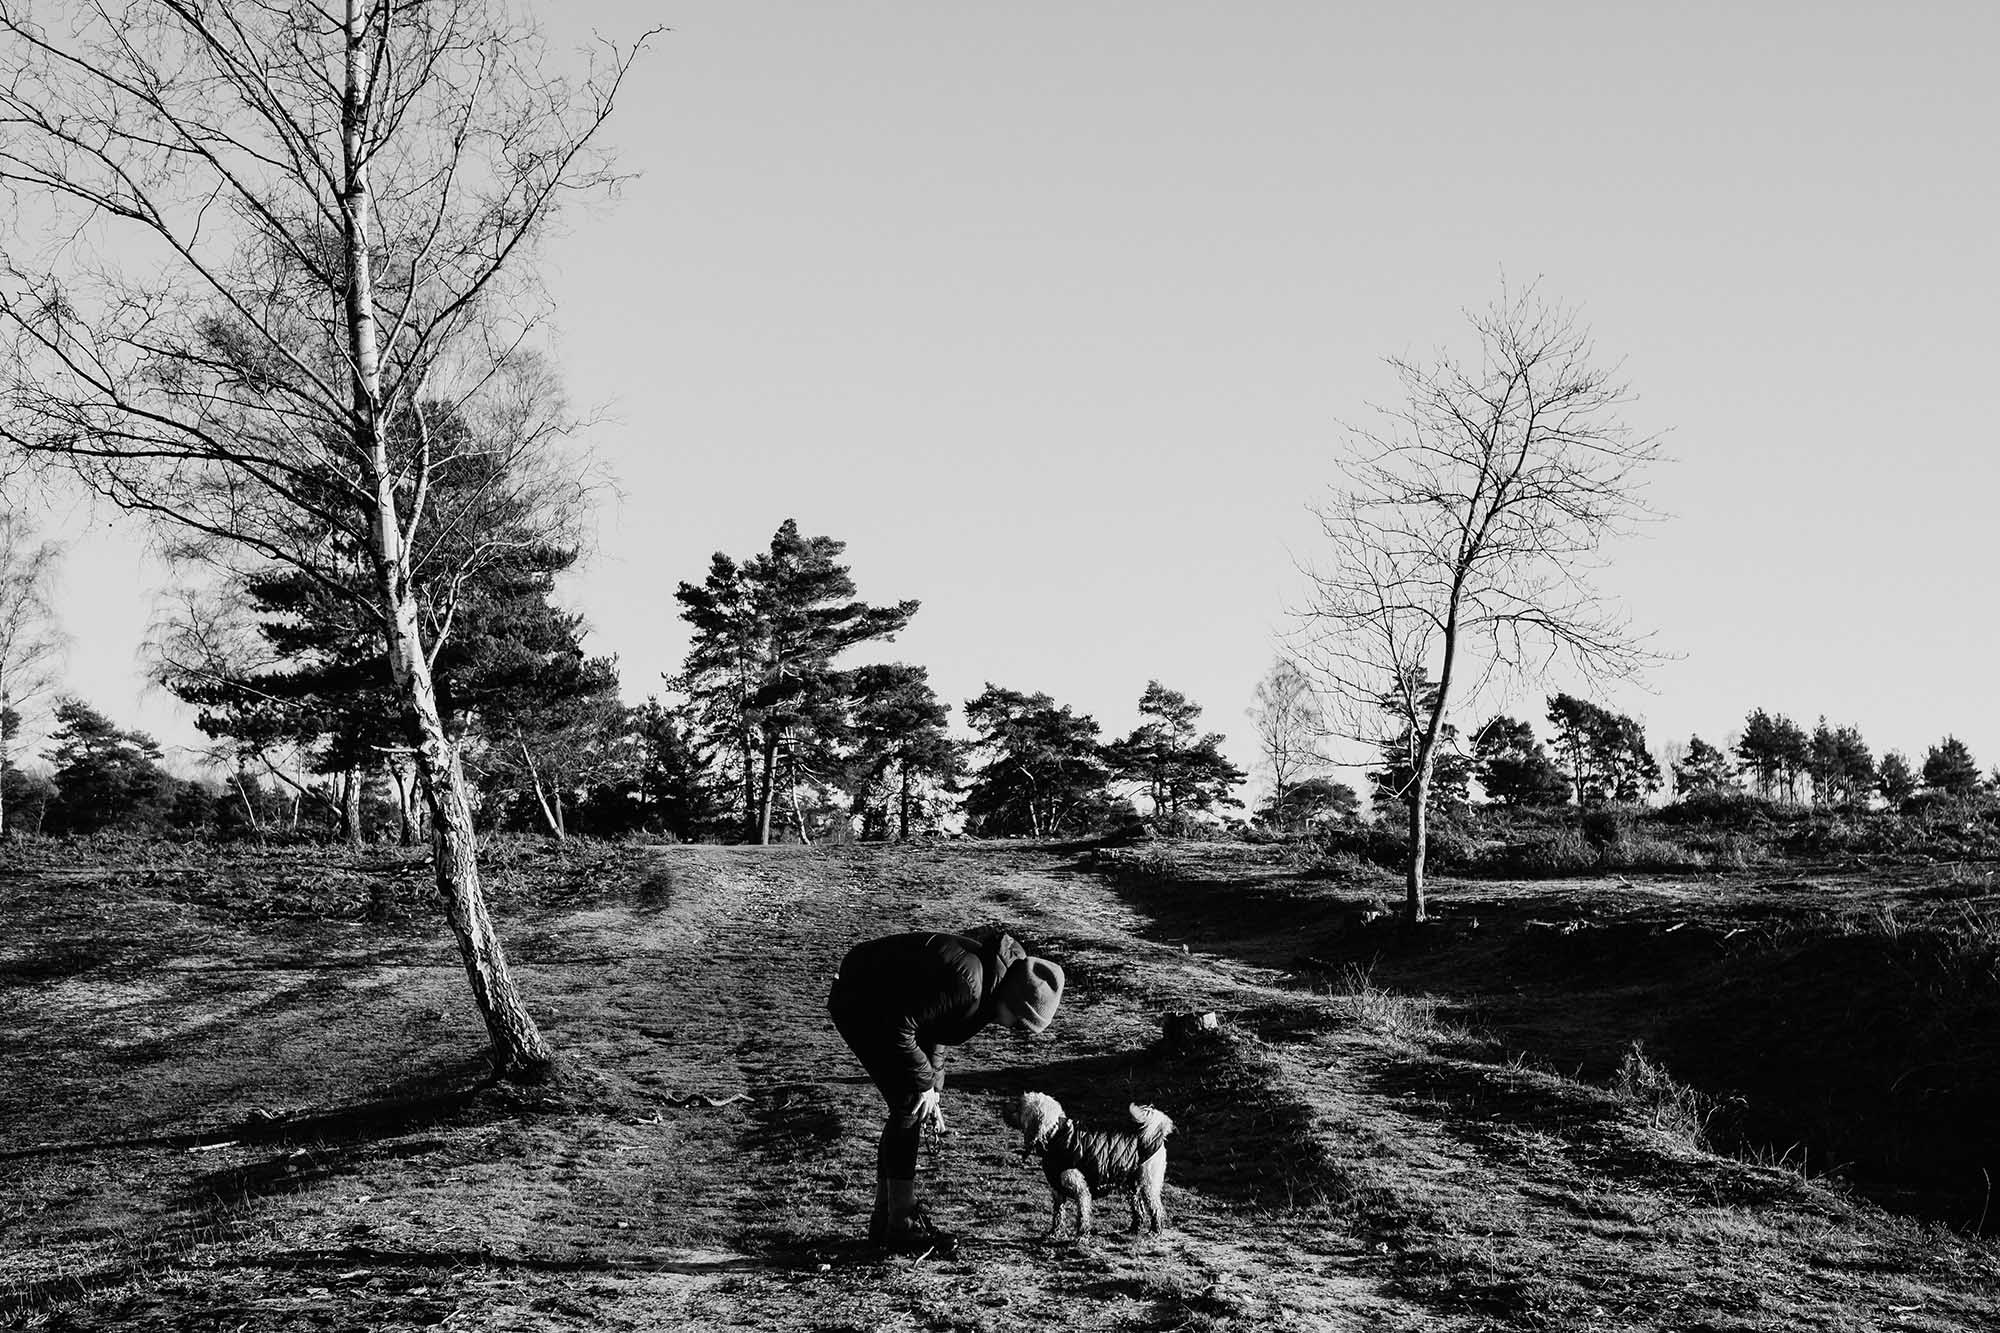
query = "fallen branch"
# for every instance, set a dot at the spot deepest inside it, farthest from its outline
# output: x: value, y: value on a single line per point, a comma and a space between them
x: 703, y: 1099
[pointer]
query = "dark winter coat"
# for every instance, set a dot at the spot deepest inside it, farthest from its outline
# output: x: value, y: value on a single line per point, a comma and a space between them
x: 899, y: 999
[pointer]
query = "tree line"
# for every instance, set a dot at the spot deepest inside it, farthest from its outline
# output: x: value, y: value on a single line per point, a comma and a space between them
x: 1595, y: 756
x: 766, y: 731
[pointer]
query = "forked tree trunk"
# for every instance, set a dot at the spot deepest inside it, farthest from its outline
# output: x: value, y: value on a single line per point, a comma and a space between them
x: 551, y: 812
x: 243, y: 797
x: 403, y: 774
x: 519, y: 1050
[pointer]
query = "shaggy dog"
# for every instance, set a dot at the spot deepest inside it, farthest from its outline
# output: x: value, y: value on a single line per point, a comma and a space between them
x: 1083, y: 1162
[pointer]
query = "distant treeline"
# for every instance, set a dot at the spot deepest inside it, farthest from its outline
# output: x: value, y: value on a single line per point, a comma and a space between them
x: 767, y: 732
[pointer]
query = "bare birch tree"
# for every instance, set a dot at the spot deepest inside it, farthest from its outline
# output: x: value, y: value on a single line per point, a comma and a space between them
x: 31, y: 640
x: 1462, y: 535
x: 253, y: 245
x: 1290, y: 730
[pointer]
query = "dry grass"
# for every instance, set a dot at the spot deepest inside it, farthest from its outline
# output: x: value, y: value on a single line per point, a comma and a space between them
x: 1673, y: 1108
x: 240, y: 1102
x: 1413, y: 1020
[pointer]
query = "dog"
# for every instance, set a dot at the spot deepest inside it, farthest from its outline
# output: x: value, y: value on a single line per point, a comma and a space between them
x: 1083, y: 1162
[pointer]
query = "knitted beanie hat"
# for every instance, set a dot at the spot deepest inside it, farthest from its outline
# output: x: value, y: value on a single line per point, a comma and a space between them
x: 1033, y: 988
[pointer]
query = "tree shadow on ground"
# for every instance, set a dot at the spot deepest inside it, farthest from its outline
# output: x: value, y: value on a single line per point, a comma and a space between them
x: 460, y: 1093
x: 426, y: 1267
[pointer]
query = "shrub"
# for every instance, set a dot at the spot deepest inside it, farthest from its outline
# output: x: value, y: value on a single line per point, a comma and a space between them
x: 1674, y: 1107
x: 1552, y: 854
x: 1372, y: 843
x: 1639, y: 852
x: 1606, y: 824
x: 1730, y: 809
x: 1730, y: 850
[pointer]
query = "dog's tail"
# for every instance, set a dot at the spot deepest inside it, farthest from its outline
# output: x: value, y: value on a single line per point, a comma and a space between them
x: 1153, y: 1127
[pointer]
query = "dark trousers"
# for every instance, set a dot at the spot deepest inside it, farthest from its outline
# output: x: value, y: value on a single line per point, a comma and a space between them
x: 866, y: 1035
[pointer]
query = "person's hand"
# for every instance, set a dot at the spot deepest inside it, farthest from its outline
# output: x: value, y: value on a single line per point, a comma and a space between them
x: 928, y: 1113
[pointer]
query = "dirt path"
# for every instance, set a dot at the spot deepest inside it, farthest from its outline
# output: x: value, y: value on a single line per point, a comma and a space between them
x: 773, y: 1193
x: 1334, y: 1168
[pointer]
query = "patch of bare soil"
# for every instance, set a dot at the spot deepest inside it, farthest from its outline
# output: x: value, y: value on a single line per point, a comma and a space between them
x: 220, y: 1116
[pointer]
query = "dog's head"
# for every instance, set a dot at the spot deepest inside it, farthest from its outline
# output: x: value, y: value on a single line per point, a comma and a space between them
x: 1037, y: 1117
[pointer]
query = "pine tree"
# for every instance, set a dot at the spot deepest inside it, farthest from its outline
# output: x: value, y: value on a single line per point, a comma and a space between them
x: 1043, y: 770
x: 679, y: 790
x: 1182, y: 769
x: 1702, y: 770
x: 1514, y: 769
x: 899, y: 741
x: 1895, y: 779
x: 105, y: 778
x: 1606, y: 752
x: 760, y: 669
x: 1310, y: 801
x: 1394, y: 784
x: 1949, y: 768
x: 1776, y: 751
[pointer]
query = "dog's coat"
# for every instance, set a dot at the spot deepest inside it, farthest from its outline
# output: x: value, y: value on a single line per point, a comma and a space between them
x: 1082, y: 1162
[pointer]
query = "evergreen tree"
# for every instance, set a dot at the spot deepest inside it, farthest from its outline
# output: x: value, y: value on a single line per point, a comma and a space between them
x: 1182, y: 769
x: 1394, y: 783
x: 1704, y: 769
x: 1606, y: 752
x: 1949, y: 768
x: 1852, y: 766
x: 1794, y: 752
x: 760, y: 671
x: 679, y: 789
x: 484, y: 576
x: 1575, y: 722
x: 1758, y: 749
x: 105, y: 778
x: 551, y: 725
x: 899, y: 744
x: 1308, y: 802
x: 1776, y: 752
x: 1895, y: 779
x: 1043, y: 771
x: 1514, y: 769
x: 1622, y: 754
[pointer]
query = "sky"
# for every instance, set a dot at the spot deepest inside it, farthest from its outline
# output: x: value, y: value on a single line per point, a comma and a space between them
x: 1059, y: 314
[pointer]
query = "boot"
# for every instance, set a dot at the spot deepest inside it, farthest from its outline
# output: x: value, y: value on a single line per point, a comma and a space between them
x: 910, y: 1229
x: 878, y: 1221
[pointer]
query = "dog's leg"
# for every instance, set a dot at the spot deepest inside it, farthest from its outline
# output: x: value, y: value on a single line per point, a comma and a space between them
x: 1152, y: 1179
x: 1055, y: 1216
x: 1078, y: 1189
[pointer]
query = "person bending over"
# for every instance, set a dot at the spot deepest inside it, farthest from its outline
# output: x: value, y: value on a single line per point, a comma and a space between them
x: 898, y: 1002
